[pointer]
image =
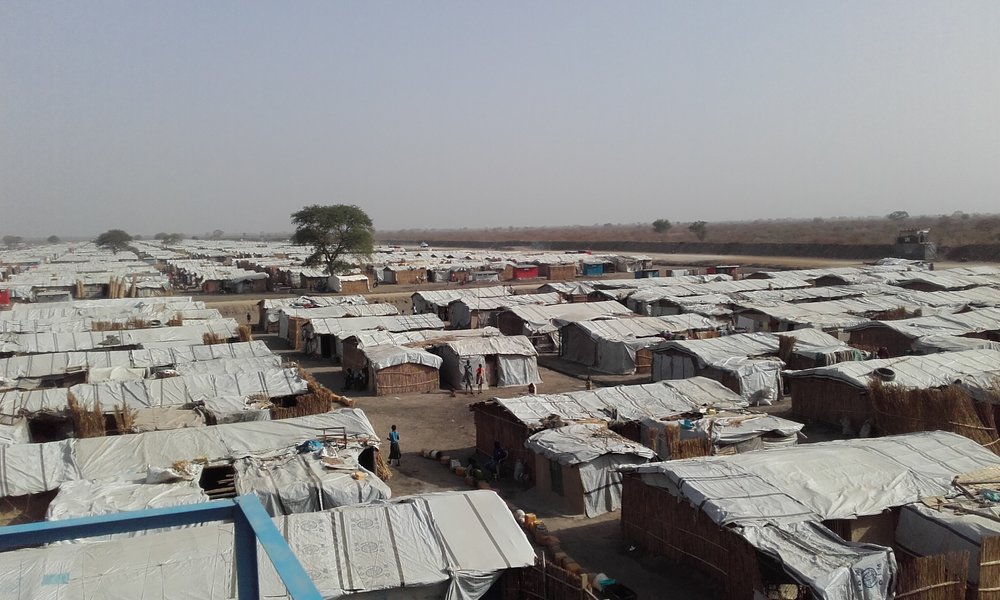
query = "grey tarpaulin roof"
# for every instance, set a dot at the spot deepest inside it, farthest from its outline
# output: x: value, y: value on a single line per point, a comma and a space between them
x: 298, y: 483
x: 443, y: 298
x: 973, y: 321
x: 420, y: 337
x: 76, y: 323
x: 540, y: 319
x: 248, y: 364
x: 974, y: 368
x: 189, y: 333
x: 583, y: 442
x: 832, y: 567
x: 642, y: 327
x: 928, y: 531
x: 337, y: 311
x: 303, y: 301
x: 950, y: 343
x: 628, y: 402
x: 452, y: 544
x: 817, y: 482
x: 517, y: 345
x: 340, y: 326
x: 498, y: 302
x: 381, y: 357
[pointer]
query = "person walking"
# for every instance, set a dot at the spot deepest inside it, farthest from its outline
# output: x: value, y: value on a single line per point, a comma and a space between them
x: 394, y: 453
x: 480, y: 377
x: 467, y: 376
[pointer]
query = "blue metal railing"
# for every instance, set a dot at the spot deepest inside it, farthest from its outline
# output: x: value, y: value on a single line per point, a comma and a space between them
x: 251, y: 521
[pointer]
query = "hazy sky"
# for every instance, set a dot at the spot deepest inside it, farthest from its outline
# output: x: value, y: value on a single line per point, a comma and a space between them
x: 192, y: 116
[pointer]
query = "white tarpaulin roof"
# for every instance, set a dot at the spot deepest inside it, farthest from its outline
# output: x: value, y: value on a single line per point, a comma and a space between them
x: 34, y: 468
x: 84, y: 498
x: 189, y: 389
x: 817, y: 482
x: 452, y: 544
x: 626, y: 403
x: 381, y: 357
x: 33, y: 401
x: 125, y: 454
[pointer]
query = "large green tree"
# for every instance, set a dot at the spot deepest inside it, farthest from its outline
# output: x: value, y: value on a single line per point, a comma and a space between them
x: 53, y: 239
x: 699, y: 229
x: 114, y: 240
x: 662, y: 225
x: 334, y: 232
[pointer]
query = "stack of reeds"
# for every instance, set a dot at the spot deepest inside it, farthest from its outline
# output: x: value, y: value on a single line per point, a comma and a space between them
x: 382, y: 467
x: 176, y: 321
x: 124, y: 419
x: 136, y: 323
x: 78, y: 289
x: 105, y: 326
x: 87, y: 423
x: 210, y: 338
x: 245, y: 333
x: 318, y: 390
x: 903, y: 410
x: 690, y: 448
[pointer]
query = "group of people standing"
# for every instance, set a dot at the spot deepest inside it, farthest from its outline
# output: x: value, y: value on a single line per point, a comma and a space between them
x: 355, y: 379
x: 467, y: 377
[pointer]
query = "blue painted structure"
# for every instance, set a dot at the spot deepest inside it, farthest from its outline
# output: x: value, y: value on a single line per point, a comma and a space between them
x: 593, y: 270
x: 251, y: 522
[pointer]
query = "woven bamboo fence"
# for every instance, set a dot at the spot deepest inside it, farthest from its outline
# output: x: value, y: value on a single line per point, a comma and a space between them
x: 989, y: 570
x: 662, y: 524
x: 902, y: 410
x: 937, y: 577
x: 825, y: 400
x: 544, y: 580
x: 407, y: 378
x: 495, y: 424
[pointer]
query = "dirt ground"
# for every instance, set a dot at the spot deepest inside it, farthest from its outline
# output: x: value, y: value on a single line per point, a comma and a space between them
x: 438, y: 421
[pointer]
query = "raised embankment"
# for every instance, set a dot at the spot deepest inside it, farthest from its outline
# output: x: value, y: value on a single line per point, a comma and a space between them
x: 973, y: 252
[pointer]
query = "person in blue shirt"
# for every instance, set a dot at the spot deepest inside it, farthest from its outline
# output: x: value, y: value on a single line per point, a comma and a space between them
x: 394, y: 452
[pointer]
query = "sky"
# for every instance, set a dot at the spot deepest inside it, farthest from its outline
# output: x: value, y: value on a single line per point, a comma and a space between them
x: 190, y: 116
